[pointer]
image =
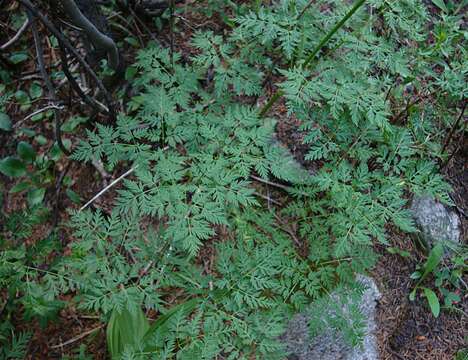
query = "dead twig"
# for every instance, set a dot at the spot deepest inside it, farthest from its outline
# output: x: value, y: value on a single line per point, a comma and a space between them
x: 455, y: 125
x: 171, y: 27
x: 143, y: 25
x: 267, y: 198
x: 74, y: 85
x: 397, y: 119
x: 120, y: 178
x: 286, y: 229
x: 268, y: 182
x: 48, y: 83
x: 396, y: 354
x: 45, y: 108
x: 76, y: 338
x: 456, y: 149
x: 62, y: 39
x: 98, y: 165
x: 20, y: 32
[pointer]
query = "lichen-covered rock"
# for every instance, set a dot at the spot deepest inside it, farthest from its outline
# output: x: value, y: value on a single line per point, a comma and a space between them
x: 435, y: 222
x: 330, y: 345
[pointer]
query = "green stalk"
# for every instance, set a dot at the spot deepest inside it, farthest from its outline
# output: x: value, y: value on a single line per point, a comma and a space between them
x: 314, y: 53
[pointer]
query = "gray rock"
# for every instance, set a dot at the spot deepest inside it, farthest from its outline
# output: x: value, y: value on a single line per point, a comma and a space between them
x: 435, y: 222
x: 330, y: 345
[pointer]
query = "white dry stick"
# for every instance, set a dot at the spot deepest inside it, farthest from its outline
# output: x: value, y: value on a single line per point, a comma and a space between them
x: 17, y: 35
x: 76, y: 338
x: 108, y: 187
x: 48, y: 107
x: 284, y: 187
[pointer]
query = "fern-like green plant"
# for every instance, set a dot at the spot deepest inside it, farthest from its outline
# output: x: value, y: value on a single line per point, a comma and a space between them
x: 188, y: 236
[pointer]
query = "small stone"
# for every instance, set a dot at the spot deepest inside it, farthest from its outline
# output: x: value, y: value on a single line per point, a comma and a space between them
x: 330, y: 345
x: 436, y: 223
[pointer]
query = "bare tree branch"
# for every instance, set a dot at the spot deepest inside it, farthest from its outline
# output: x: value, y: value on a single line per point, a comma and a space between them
x: 28, y: 5
x: 17, y: 35
x: 74, y: 85
x: 99, y: 40
x: 48, y: 82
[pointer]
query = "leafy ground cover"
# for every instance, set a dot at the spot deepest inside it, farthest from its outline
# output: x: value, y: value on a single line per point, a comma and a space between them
x: 222, y: 213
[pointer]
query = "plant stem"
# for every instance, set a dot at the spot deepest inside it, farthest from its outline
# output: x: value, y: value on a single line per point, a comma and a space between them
x: 332, y: 32
x: 309, y: 4
x: 270, y: 102
x: 311, y: 57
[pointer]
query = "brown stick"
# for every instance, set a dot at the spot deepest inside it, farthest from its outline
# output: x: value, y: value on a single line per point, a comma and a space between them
x: 21, y: 30
x: 76, y: 338
x: 74, y: 85
x: 48, y: 82
x: 452, y: 130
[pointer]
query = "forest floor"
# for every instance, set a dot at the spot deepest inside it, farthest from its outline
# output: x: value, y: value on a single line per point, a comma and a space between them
x: 406, y: 330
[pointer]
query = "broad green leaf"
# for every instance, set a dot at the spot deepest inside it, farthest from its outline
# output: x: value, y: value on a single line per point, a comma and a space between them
x: 18, y: 57
x: 73, y: 122
x: 433, y: 260
x: 132, y: 41
x: 53, y: 41
x: 28, y: 132
x: 39, y: 116
x: 73, y: 196
x: 412, y: 295
x: 35, y: 90
x: 35, y: 196
x: 20, y: 187
x: 12, y: 167
x: 41, y: 140
x: 55, y: 153
x: 185, y: 308
x: 5, y: 122
x: 22, y: 97
x: 125, y: 328
x: 130, y: 72
x: 67, y: 143
x: 433, y: 301
x: 431, y: 263
x: 26, y: 152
